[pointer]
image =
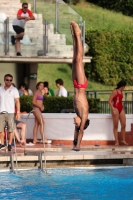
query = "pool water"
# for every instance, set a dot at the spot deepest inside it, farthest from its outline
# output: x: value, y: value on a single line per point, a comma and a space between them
x: 68, y: 184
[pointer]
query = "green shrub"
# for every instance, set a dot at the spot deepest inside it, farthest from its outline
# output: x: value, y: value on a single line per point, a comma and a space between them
x: 124, y: 6
x: 111, y: 53
x: 56, y: 104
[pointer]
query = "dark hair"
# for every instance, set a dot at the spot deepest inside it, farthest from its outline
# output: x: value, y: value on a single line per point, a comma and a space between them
x: 13, y: 85
x: 46, y: 84
x: 24, y: 85
x: 121, y: 84
x: 8, y: 75
x: 59, y: 81
x: 37, y: 85
x: 25, y: 3
x: 86, y: 125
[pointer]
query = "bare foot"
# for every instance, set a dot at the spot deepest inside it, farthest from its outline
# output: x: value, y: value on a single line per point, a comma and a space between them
x: 36, y: 141
x: 75, y: 28
x: 124, y: 143
x: 45, y: 141
x: 117, y: 144
x: 22, y: 143
x: 76, y: 149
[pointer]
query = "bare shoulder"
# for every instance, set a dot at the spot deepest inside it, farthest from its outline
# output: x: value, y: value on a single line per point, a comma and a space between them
x: 35, y: 93
x: 114, y: 92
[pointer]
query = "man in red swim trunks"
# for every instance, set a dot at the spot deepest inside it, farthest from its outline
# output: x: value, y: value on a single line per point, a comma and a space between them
x: 23, y: 15
x: 80, y: 83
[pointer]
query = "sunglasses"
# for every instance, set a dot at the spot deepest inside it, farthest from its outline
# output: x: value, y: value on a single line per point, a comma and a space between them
x: 9, y: 80
x: 25, y: 7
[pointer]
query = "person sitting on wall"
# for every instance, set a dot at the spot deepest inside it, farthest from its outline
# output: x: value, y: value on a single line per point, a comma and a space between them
x: 23, y: 15
x: 21, y: 126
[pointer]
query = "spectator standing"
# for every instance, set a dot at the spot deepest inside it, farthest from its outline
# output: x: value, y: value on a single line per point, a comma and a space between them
x: 23, y: 15
x: 50, y: 91
x: 9, y: 97
x: 62, y: 92
x: 38, y: 108
x: 46, y: 92
x: 118, y: 113
x: 23, y: 89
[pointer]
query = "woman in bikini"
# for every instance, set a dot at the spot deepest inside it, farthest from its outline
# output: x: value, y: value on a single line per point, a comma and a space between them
x: 38, y: 108
x: 80, y: 83
x: 115, y: 102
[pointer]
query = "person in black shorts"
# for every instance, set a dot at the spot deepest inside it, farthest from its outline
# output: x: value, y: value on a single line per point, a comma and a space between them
x: 23, y: 15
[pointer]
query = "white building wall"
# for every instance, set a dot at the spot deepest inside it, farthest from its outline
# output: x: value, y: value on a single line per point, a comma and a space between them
x: 60, y: 126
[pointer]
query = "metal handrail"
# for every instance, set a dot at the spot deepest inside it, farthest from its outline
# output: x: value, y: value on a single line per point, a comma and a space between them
x: 42, y: 135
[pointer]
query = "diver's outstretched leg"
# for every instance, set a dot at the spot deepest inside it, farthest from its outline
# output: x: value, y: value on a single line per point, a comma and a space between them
x: 78, y: 69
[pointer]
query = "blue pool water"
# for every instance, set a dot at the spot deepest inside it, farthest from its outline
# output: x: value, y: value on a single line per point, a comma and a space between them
x: 68, y: 184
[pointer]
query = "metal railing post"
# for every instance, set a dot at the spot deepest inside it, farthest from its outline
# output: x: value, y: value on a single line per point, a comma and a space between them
x: 34, y: 6
x: 45, y: 38
x: 6, y: 36
x: 57, y: 16
x: 70, y: 2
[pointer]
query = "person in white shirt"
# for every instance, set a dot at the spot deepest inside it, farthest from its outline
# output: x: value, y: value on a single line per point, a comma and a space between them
x: 62, y: 92
x: 9, y: 98
x: 23, y: 15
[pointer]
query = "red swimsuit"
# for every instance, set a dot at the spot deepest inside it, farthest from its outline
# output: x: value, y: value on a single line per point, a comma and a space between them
x: 117, y: 101
x: 77, y: 85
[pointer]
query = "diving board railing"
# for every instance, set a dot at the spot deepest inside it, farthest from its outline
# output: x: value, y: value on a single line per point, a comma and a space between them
x: 39, y: 153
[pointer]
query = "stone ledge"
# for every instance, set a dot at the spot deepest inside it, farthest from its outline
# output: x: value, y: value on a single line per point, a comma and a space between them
x: 40, y: 59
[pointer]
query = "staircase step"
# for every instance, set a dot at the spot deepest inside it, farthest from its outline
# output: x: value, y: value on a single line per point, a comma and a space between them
x: 10, y: 1
x: 6, y: 5
x: 34, y: 29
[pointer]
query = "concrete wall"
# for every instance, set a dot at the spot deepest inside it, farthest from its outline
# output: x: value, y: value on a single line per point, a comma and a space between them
x: 21, y: 73
x: 17, y: 70
x: 60, y: 126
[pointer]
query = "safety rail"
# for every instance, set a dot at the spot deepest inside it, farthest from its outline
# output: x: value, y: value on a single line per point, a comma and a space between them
x: 48, y: 35
x: 105, y: 108
x: 40, y: 43
x: 103, y: 95
x: 58, y: 13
